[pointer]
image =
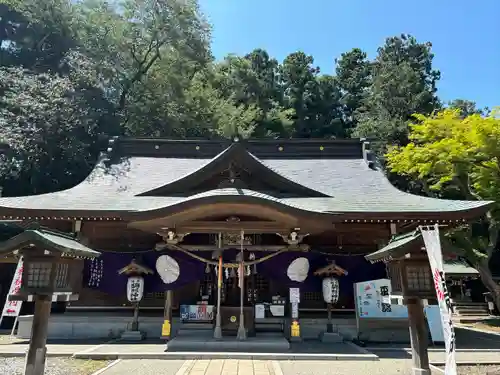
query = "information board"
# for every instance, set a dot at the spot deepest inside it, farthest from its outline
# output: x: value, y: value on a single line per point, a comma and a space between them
x: 433, y: 315
x: 13, y: 308
x: 197, y: 312
x: 373, y: 301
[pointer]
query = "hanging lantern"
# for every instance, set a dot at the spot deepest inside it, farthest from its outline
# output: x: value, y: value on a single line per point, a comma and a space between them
x: 330, y: 290
x: 135, y: 288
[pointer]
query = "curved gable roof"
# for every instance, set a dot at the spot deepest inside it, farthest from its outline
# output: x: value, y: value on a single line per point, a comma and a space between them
x: 234, y: 154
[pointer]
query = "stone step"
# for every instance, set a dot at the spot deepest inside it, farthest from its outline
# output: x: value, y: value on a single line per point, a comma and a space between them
x: 471, y: 305
x: 196, y: 326
x: 194, y: 333
x: 472, y: 312
x: 469, y: 319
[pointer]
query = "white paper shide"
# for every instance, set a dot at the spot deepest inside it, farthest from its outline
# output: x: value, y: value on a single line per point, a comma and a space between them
x: 135, y: 289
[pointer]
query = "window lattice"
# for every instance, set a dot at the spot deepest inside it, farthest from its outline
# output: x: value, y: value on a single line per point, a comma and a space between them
x: 155, y: 296
x: 419, y: 278
x: 62, y: 275
x: 312, y: 296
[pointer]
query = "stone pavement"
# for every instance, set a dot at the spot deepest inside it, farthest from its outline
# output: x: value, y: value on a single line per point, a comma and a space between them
x: 259, y: 367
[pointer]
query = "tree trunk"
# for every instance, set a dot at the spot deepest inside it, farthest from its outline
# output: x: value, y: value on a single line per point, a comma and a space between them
x: 489, y: 283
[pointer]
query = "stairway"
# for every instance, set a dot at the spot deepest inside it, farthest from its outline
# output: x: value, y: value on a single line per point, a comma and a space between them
x: 470, y: 312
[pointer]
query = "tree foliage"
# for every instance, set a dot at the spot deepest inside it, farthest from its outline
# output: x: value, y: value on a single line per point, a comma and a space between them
x: 403, y: 83
x: 459, y: 157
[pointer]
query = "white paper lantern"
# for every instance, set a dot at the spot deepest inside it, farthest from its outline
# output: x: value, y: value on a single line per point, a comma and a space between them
x: 168, y: 269
x: 135, y: 289
x: 330, y: 290
x: 298, y: 270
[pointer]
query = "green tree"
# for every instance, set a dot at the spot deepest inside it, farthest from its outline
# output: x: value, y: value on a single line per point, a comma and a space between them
x: 253, y: 80
x: 52, y: 131
x: 353, y: 72
x: 459, y: 157
x: 37, y: 34
x: 466, y: 107
x: 403, y: 83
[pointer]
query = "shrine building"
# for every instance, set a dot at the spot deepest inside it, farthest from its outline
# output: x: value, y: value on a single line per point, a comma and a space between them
x: 268, y: 216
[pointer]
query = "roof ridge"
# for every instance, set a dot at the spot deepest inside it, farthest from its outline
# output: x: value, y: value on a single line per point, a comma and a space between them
x: 261, y: 148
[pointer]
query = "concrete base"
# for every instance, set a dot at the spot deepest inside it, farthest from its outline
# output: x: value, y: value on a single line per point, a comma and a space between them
x: 229, y: 344
x: 419, y: 371
x: 132, y: 336
x: 331, y: 337
x: 111, y: 325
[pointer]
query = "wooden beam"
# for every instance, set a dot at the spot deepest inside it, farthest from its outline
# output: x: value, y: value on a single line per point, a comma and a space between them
x: 232, y: 227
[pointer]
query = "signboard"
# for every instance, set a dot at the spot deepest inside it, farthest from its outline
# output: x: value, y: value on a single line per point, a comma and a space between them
x: 197, y: 312
x: 294, y: 295
x: 434, y: 321
x: 432, y: 243
x: 295, y: 310
x: 13, y: 308
x: 260, y: 311
x: 373, y: 301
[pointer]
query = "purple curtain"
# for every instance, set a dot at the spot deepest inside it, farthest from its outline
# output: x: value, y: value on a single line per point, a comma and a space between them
x: 191, y: 270
x: 111, y: 282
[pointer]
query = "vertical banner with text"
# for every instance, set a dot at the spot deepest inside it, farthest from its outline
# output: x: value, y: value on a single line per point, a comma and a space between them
x: 432, y: 243
x: 13, y: 308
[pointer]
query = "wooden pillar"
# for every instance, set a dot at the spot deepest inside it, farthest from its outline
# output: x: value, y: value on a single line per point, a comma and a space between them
x: 37, y: 350
x: 167, y: 315
x: 218, y: 323
x: 418, y: 337
x: 242, y: 334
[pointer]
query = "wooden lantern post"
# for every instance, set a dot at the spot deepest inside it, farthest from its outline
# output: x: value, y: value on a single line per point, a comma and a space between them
x: 135, y: 292
x: 411, y: 282
x: 50, y: 262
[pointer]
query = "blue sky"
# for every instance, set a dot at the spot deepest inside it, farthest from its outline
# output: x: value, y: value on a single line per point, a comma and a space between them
x: 465, y: 34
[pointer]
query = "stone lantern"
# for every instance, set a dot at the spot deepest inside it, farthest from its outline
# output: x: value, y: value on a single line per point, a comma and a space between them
x: 412, y: 283
x: 135, y: 292
x: 331, y: 296
x: 51, y: 271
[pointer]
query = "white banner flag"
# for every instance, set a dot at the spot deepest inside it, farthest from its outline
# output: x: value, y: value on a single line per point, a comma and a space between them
x: 13, y: 308
x: 433, y: 247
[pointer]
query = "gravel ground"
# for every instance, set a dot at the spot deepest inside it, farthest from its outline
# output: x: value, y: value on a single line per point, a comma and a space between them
x: 54, y: 366
x: 146, y: 367
x: 382, y: 367
x: 477, y: 370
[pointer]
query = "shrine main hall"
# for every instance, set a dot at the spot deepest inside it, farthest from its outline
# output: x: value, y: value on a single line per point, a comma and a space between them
x: 239, y: 224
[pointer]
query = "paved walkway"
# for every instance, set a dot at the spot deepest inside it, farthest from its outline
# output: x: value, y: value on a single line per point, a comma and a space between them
x: 257, y: 367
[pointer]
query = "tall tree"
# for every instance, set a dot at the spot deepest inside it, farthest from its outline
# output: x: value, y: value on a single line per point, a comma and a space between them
x: 37, y: 34
x: 403, y: 83
x: 465, y: 107
x: 51, y: 129
x: 253, y: 80
x: 353, y: 79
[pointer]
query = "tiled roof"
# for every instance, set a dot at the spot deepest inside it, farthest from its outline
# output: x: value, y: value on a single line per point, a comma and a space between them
x: 48, y: 240
x: 349, y: 183
x: 396, y: 248
x: 459, y: 268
